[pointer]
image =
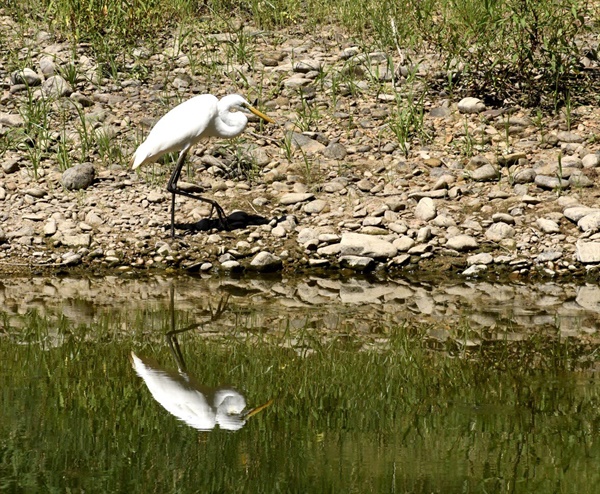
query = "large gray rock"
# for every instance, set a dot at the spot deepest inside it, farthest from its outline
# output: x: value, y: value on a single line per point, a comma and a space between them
x: 10, y: 165
x: 499, y: 231
x: 484, y: 258
x: 335, y: 151
x: 25, y: 76
x: 79, y: 177
x: 591, y: 160
x: 590, y: 222
x: 425, y: 209
x: 56, y: 86
x: 296, y: 197
x: 588, y: 252
x: 565, y: 136
x: 266, y: 262
x: 306, y: 235
x: 485, y: 173
x: 357, y: 263
x: 403, y: 243
x: 588, y: 297
x: 305, y: 143
x: 78, y: 240
x: 358, y: 244
x: 547, y: 226
x: 575, y: 213
x: 462, y: 243
x: 11, y: 119
x: 550, y: 183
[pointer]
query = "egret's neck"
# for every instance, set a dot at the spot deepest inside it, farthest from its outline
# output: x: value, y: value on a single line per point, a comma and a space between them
x: 230, y: 124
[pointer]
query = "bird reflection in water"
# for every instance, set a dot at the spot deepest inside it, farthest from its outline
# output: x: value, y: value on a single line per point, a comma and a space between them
x: 180, y: 394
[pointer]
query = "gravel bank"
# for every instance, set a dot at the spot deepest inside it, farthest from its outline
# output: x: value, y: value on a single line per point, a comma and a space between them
x: 489, y: 191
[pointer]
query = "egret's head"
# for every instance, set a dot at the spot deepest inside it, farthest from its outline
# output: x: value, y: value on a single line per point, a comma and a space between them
x: 230, y: 406
x: 235, y: 101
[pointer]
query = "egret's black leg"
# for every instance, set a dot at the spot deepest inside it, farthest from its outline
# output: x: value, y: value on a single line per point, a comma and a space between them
x: 173, y: 189
x: 172, y: 186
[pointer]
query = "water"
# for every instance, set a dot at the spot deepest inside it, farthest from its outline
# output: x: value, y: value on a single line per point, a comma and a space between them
x: 395, y: 387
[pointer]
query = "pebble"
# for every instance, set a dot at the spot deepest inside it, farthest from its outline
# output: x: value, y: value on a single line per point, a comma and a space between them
x: 503, y: 217
x: 575, y: 213
x: 36, y: 192
x: 231, y: 265
x: 471, y: 105
x: 50, y: 228
x: 335, y: 151
x: 525, y: 176
x: 78, y: 177
x: 511, y: 158
x: 295, y: 198
x: 11, y: 119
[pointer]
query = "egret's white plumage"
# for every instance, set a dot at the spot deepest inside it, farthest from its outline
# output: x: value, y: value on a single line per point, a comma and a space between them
x: 186, y: 124
x: 198, y: 406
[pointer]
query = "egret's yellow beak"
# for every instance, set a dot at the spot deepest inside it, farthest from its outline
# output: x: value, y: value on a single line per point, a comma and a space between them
x: 260, y: 114
x: 254, y: 411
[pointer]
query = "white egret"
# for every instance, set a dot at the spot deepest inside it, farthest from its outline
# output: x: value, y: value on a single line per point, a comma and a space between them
x: 183, y: 126
x: 198, y: 406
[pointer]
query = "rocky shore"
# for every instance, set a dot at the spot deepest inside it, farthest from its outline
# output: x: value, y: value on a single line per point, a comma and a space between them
x: 481, y: 191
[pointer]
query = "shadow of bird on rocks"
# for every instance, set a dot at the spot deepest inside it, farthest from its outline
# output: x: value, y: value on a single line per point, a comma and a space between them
x: 235, y: 221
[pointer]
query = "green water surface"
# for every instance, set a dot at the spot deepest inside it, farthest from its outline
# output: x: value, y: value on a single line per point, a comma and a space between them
x: 398, y: 415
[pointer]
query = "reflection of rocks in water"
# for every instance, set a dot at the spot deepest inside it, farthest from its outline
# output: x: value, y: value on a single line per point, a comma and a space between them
x: 588, y: 297
x: 79, y: 310
x: 199, y: 406
x: 325, y: 304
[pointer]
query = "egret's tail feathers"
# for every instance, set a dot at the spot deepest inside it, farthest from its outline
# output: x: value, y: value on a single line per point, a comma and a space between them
x: 138, y: 157
x: 142, y: 156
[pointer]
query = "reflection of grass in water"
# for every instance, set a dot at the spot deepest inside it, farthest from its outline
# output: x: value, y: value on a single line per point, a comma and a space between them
x: 344, y: 417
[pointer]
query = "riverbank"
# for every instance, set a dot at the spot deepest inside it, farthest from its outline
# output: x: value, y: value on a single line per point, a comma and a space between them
x: 479, y: 191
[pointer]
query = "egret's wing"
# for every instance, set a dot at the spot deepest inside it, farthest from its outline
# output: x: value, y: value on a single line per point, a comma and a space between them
x: 180, y: 128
